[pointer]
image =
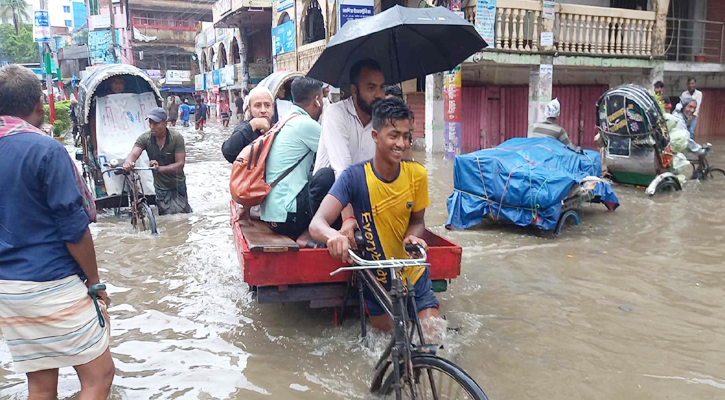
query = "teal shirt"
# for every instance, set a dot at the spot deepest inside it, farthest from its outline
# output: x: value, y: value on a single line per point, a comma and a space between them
x: 298, y: 137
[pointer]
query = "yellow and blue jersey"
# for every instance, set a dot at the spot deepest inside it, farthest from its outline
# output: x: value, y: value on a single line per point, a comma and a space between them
x: 383, y: 209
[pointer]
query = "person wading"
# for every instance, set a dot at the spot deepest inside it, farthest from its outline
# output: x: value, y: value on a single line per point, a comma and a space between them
x: 167, y: 152
x: 47, y: 259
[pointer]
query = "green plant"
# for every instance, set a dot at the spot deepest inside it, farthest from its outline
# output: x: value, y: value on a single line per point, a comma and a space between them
x: 62, y: 117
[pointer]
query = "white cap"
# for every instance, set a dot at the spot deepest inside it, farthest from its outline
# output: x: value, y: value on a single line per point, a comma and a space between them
x: 553, y: 109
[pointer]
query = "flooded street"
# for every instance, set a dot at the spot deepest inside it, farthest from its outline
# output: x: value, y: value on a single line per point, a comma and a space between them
x: 626, y: 306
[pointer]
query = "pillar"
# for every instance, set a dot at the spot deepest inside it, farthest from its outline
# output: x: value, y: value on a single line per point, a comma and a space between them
x: 656, y: 74
x: 540, y: 86
x: 434, y: 135
x: 659, y: 32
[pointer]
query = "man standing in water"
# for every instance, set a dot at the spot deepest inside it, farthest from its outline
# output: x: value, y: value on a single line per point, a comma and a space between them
x: 167, y: 152
x: 695, y: 94
x: 389, y: 196
x: 47, y: 259
x: 200, y: 114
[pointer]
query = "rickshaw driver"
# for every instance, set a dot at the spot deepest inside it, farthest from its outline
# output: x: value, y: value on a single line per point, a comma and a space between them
x: 550, y: 128
x: 116, y: 84
x: 167, y: 152
x: 389, y: 196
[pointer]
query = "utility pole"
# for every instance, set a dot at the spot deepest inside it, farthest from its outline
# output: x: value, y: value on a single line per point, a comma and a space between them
x: 113, y: 30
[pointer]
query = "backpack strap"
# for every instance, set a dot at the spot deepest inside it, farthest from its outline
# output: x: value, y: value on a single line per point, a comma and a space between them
x: 290, y: 169
x: 278, y: 127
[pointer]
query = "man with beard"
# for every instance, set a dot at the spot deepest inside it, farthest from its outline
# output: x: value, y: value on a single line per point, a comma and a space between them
x: 347, y: 125
x: 259, y: 102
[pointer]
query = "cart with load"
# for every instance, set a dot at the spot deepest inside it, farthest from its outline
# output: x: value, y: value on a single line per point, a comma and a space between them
x: 528, y: 182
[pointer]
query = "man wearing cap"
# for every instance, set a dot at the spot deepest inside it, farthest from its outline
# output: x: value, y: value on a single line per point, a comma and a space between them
x: 550, y: 127
x: 167, y: 152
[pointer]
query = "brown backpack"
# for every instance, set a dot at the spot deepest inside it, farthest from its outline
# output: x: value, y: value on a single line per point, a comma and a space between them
x: 247, y: 183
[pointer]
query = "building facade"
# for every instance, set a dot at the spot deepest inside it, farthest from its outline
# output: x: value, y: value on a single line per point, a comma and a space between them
x: 163, y: 39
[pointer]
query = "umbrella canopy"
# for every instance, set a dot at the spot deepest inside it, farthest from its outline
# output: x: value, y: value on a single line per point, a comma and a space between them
x: 407, y: 43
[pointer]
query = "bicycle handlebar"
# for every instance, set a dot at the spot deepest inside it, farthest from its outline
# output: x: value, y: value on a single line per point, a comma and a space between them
x: 359, y: 263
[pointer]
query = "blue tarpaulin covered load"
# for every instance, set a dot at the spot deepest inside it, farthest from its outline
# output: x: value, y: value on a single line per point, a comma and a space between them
x: 523, y: 180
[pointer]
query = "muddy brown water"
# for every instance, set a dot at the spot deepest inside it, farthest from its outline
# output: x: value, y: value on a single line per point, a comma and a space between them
x: 626, y: 305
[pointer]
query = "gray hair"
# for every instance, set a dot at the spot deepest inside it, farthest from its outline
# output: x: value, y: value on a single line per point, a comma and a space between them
x: 20, y: 91
x: 687, y: 100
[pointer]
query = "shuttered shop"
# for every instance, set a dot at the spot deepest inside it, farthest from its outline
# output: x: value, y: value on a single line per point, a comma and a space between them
x: 711, y: 118
x: 578, y: 112
x: 493, y: 114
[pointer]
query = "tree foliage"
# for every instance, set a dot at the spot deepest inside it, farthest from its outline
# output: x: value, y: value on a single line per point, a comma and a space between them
x: 16, y: 8
x: 18, y: 48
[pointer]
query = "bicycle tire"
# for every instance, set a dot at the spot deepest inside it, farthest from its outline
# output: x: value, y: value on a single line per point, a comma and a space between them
x: 151, y: 218
x: 718, y: 170
x: 455, y: 374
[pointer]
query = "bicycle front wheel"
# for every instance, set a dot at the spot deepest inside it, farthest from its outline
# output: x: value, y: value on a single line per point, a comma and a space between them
x: 151, y: 219
x: 435, y: 378
x: 717, y: 174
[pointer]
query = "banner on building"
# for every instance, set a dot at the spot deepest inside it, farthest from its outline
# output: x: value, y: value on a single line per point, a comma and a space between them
x: 101, y: 21
x: 199, y: 82
x: 176, y: 77
x: 222, y: 6
x: 41, y: 26
x: 122, y: 119
x: 349, y: 10
x: 228, y: 76
x: 216, y: 77
x: 210, y: 34
x: 221, y: 34
x: 284, y: 5
x: 283, y: 38
x: 154, y: 74
x: 100, y: 45
x: 486, y: 20
x: 452, y: 103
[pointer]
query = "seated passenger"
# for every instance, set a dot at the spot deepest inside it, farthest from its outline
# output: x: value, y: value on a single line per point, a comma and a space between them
x: 549, y: 128
x: 389, y: 196
x: 289, y: 207
x: 685, y: 111
x: 258, y: 104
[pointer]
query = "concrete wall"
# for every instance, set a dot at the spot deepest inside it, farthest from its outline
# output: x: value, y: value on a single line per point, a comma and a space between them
x: 596, y: 3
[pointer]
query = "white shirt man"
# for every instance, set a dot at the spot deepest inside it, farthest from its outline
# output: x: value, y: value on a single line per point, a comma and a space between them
x: 347, y: 125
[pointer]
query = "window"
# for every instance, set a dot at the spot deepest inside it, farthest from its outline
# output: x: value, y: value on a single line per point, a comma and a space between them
x: 66, y: 9
x: 68, y: 23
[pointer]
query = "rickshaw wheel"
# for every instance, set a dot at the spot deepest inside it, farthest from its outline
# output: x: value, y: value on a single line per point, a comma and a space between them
x: 571, y: 214
x: 667, y: 185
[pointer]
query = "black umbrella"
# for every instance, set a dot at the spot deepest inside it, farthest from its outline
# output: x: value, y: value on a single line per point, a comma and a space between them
x: 407, y: 43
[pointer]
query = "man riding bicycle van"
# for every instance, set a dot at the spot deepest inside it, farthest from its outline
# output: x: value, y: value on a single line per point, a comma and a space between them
x: 167, y: 152
x: 389, y: 196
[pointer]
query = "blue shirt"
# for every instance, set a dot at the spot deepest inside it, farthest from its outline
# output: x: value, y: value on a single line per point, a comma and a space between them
x: 41, y: 209
x: 298, y: 138
x: 185, y: 111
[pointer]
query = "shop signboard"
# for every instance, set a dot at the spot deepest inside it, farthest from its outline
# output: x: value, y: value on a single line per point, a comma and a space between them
x: 349, y: 10
x: 199, y: 82
x: 453, y: 126
x: 283, y: 38
x: 486, y: 20
x: 41, y: 26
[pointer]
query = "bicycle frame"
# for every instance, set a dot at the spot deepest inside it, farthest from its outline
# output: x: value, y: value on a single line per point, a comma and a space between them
x: 396, y: 305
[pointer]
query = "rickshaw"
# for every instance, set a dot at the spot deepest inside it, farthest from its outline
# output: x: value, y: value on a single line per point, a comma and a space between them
x: 120, y: 118
x: 634, y: 136
x: 280, y: 83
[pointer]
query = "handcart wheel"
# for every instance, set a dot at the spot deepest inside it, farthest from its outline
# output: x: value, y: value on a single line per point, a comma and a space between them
x: 571, y: 214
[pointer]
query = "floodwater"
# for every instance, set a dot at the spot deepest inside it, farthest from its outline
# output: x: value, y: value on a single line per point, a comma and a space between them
x: 626, y: 305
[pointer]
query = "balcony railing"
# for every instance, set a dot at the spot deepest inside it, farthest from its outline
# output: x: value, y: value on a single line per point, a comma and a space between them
x: 577, y: 29
x: 694, y: 40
